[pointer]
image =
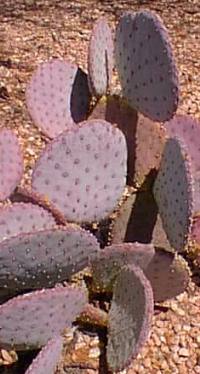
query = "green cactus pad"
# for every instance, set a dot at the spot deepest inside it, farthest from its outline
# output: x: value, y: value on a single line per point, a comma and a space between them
x: 83, y: 171
x: 23, y: 218
x: 106, y: 267
x: 44, y: 258
x: 168, y: 274
x: 130, y: 317
x: 100, y: 58
x: 47, y: 358
x: 30, y: 320
x: 173, y: 191
x: 146, y: 65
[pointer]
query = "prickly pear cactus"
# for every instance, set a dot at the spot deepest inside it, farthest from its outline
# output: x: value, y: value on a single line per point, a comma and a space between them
x: 88, y: 165
x: 173, y: 191
x: 11, y: 163
x: 100, y: 58
x: 44, y: 258
x: 39, y: 316
x: 23, y: 218
x: 57, y: 96
x: 146, y: 65
x: 47, y: 358
x: 130, y: 317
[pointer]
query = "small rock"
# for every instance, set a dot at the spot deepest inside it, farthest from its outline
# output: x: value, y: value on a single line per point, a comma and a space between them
x: 184, y: 352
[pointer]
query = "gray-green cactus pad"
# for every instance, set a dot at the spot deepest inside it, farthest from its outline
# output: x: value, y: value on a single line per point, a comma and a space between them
x: 30, y: 320
x: 146, y: 65
x: 44, y: 258
x: 130, y: 317
x: 173, y: 191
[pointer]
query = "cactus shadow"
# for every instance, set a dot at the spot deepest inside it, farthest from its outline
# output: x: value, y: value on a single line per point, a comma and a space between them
x: 80, y: 97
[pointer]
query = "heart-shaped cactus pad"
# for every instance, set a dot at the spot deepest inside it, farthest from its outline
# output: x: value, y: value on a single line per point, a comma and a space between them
x: 83, y: 171
x: 146, y: 65
x: 100, y: 58
x: 11, y: 163
x: 57, y: 96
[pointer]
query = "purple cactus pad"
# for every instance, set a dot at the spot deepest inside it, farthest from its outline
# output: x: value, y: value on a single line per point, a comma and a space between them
x: 23, y: 218
x: 83, y: 172
x: 169, y: 275
x: 30, y: 320
x: 47, y: 358
x: 100, y: 58
x: 146, y: 65
x: 57, y: 96
x: 130, y: 317
x: 174, y: 193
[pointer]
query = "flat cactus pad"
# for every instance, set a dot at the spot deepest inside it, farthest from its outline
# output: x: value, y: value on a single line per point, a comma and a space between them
x: 106, y: 267
x: 22, y: 218
x: 57, y: 96
x: 83, y: 172
x: 130, y: 317
x: 100, y: 58
x: 30, y: 320
x: 146, y: 65
x: 173, y: 191
x: 44, y: 258
x: 47, y: 358
x: 168, y: 274
x: 187, y: 129
x: 11, y: 163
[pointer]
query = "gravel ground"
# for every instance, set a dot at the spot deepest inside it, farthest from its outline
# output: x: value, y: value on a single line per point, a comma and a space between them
x: 32, y: 31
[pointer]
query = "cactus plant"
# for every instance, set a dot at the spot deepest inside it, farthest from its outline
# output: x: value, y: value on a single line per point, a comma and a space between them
x: 83, y: 176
